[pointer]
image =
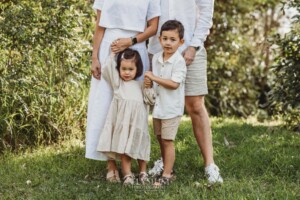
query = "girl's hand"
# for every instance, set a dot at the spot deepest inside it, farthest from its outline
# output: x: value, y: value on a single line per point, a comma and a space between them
x: 96, y: 69
x: 147, y: 82
x: 120, y: 44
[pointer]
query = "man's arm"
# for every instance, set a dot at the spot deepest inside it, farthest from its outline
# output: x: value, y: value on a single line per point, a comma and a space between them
x: 203, y: 22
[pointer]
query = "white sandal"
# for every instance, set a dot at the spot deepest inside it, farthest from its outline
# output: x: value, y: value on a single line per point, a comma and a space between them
x: 113, y: 176
x: 128, y: 180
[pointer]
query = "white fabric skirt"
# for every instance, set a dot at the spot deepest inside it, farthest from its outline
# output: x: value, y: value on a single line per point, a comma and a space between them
x: 101, y: 93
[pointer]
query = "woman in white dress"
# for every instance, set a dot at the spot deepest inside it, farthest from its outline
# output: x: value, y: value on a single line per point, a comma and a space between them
x: 120, y: 24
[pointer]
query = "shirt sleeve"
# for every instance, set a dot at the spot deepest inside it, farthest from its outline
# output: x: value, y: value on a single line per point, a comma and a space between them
x: 153, y: 9
x: 179, y: 71
x: 203, y: 22
x: 98, y: 4
x: 110, y: 72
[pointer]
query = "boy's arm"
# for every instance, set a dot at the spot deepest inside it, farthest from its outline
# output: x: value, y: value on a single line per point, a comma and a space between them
x: 166, y: 83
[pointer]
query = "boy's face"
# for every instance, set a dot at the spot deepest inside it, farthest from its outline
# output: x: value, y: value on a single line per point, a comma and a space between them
x: 170, y: 41
x: 128, y: 70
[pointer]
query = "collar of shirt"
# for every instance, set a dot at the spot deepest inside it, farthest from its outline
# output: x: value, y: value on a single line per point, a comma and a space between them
x: 171, y: 60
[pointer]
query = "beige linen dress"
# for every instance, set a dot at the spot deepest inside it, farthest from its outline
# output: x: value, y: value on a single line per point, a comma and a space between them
x: 126, y: 126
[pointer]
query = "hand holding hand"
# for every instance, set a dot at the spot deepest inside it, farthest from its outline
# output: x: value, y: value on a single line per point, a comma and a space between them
x: 120, y: 44
x: 149, y: 74
x: 147, y: 82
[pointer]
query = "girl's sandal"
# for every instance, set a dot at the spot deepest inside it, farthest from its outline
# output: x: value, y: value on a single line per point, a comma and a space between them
x: 128, y: 180
x: 113, y: 176
x: 144, y: 179
x: 163, y: 181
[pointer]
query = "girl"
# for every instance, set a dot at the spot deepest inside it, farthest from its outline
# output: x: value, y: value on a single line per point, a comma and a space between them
x: 120, y: 24
x: 125, y: 133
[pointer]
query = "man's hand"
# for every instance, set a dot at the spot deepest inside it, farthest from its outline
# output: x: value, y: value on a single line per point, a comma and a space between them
x: 120, y: 44
x: 189, y: 55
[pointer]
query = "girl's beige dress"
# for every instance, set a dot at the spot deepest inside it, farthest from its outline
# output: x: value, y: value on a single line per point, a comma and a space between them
x: 126, y: 126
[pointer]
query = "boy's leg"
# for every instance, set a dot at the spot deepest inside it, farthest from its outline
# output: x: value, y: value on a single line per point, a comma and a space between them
x: 157, y: 131
x: 169, y: 129
x: 169, y: 157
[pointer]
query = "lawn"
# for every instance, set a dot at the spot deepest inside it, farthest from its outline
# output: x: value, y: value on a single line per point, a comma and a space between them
x: 257, y: 161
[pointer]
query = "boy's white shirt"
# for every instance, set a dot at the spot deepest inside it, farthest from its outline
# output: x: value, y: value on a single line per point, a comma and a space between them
x: 169, y: 103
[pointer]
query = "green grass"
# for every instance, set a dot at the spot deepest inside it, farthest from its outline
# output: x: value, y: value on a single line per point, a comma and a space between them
x: 258, y: 162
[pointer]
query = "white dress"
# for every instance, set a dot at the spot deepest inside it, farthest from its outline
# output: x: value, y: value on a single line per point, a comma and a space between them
x: 100, y: 91
x: 126, y: 126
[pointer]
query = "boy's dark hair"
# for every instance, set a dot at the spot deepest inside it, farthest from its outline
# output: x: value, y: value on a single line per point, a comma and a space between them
x: 131, y: 54
x: 173, y: 25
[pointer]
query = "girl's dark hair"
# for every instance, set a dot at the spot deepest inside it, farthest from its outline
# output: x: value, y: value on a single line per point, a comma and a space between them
x: 131, y: 54
x: 173, y: 25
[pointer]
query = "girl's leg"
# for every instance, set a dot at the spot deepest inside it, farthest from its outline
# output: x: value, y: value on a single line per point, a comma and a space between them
x: 111, y: 165
x: 142, y: 165
x: 126, y: 165
x: 143, y: 176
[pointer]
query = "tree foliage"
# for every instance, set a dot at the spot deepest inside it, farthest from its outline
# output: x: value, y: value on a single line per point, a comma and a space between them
x: 285, y: 93
x: 44, y: 55
x: 239, y: 56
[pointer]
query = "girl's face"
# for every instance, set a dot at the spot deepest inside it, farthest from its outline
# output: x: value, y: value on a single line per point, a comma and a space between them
x: 128, y: 70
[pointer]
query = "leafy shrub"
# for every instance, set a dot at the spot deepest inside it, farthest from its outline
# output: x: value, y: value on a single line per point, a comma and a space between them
x: 238, y: 58
x: 285, y: 93
x: 43, y: 64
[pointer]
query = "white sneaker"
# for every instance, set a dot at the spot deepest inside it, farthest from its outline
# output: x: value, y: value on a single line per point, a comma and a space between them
x: 157, y: 168
x: 213, y: 174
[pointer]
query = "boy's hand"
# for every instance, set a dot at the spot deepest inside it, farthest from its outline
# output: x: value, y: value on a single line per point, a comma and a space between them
x: 147, y: 82
x: 149, y: 74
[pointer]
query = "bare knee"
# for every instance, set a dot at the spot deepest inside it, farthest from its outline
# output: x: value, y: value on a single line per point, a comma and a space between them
x: 167, y: 143
x: 195, y: 105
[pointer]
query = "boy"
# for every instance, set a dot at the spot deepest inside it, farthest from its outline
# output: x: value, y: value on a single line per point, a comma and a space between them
x: 168, y: 76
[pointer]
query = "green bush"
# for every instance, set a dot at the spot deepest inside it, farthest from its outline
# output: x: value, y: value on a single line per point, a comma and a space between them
x: 44, y: 58
x: 285, y: 93
x: 238, y: 60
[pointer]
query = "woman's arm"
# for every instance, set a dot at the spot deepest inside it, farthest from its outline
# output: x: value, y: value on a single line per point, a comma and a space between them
x: 122, y: 43
x: 97, y: 39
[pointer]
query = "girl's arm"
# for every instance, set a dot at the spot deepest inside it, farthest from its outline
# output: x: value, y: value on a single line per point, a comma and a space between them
x: 97, y: 39
x: 122, y: 43
x: 166, y: 83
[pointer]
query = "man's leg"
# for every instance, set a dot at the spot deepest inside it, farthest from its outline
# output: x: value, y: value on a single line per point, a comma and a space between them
x: 202, y: 131
x: 201, y: 126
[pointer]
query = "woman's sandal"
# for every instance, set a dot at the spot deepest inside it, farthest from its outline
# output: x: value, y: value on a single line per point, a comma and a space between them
x: 128, y: 180
x: 144, y: 179
x: 113, y: 176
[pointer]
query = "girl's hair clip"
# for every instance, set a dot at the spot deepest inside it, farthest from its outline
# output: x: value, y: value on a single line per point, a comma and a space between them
x: 122, y: 56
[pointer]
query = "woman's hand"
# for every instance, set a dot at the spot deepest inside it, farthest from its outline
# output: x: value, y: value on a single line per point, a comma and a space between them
x: 120, y: 44
x: 96, y: 69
